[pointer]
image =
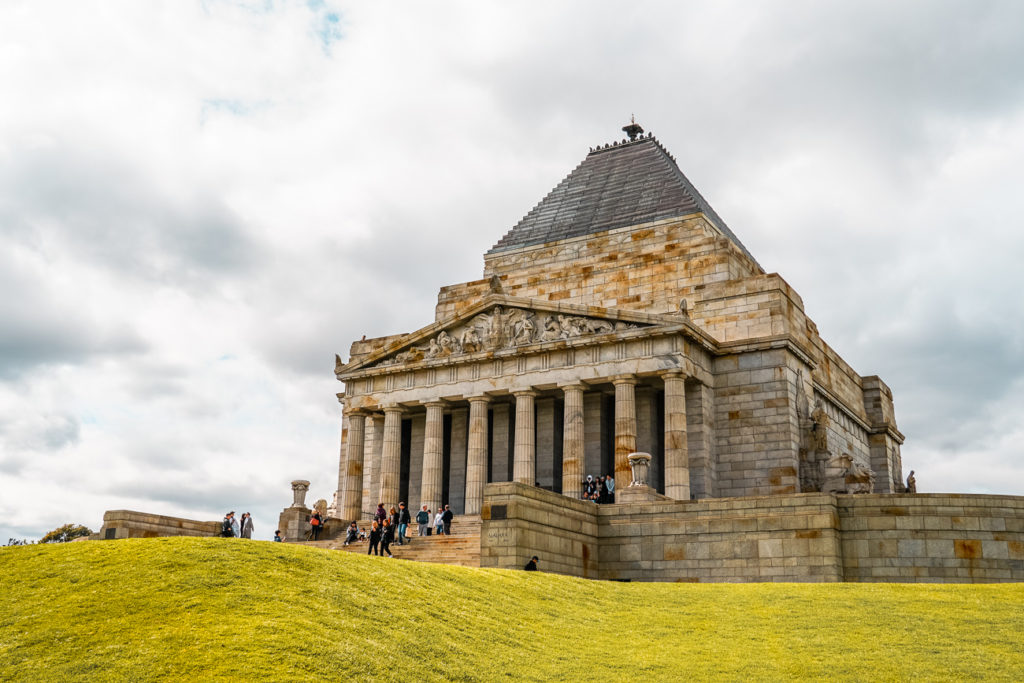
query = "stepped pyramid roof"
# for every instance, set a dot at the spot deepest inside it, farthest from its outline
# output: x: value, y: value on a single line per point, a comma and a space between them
x: 615, y: 186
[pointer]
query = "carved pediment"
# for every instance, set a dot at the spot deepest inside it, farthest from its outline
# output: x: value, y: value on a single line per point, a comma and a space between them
x: 504, y: 327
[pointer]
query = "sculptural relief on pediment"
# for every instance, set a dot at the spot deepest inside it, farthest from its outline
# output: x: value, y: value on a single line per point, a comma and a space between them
x: 503, y: 328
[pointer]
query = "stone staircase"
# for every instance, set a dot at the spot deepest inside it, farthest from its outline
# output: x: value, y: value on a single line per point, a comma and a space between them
x: 461, y: 548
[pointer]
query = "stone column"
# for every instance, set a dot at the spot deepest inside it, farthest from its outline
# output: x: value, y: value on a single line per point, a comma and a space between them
x: 476, y: 459
x: 352, y: 503
x: 374, y: 425
x: 677, y: 462
x: 572, y: 441
x: 391, y: 457
x: 342, y: 450
x: 625, y: 428
x: 524, y: 466
x: 433, y: 458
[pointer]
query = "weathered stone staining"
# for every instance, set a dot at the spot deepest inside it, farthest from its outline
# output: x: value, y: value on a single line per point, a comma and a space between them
x: 620, y: 312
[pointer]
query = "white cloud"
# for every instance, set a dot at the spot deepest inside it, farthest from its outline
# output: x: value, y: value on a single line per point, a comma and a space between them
x: 204, y: 202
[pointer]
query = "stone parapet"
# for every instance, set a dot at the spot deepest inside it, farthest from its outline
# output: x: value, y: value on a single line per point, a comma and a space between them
x: 133, y: 524
x: 809, y: 537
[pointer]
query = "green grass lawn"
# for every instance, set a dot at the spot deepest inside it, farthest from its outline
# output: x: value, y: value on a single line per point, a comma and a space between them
x: 222, y: 609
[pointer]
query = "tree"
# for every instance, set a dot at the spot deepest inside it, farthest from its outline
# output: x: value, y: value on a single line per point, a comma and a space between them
x: 63, y: 534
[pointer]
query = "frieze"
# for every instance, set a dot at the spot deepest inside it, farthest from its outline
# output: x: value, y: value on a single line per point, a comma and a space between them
x: 504, y: 328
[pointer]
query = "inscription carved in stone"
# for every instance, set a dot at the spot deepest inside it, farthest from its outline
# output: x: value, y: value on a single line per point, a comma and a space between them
x: 502, y: 328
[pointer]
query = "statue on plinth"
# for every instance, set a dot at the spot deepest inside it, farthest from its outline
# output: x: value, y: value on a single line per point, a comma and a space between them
x: 911, y: 483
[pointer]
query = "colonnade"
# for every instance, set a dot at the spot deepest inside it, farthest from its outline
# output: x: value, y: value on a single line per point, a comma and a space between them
x: 676, y: 464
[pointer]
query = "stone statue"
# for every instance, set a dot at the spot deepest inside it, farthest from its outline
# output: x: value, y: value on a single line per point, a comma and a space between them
x: 321, y: 507
x: 682, y: 307
x: 859, y: 479
x: 802, y: 405
x: 338, y: 365
x: 471, y: 341
x: 819, y: 427
x: 911, y: 483
x: 494, y: 284
x: 524, y: 329
x: 552, y: 330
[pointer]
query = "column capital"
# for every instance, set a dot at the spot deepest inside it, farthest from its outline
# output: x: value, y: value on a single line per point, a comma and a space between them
x: 436, y: 404
x: 479, y: 399
x: 358, y: 412
x: 394, y: 408
x: 573, y: 385
x: 525, y: 393
x: 673, y: 373
x: 623, y: 379
x: 341, y: 398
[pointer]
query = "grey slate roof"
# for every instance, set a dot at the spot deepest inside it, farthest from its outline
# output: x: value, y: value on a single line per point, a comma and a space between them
x: 615, y: 186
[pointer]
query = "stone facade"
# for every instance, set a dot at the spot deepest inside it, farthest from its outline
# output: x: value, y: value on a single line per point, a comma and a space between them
x: 815, y: 537
x: 620, y: 314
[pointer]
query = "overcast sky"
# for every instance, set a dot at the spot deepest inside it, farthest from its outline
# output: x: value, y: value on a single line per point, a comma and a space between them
x: 202, y: 202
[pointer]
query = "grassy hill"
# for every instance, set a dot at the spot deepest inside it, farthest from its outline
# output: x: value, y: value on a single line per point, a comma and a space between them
x: 221, y: 609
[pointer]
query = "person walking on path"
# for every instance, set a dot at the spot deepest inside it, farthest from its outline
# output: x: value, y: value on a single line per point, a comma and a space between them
x: 439, y: 522
x: 403, y: 523
x: 446, y: 519
x: 247, y: 527
x: 387, y: 537
x: 236, y: 530
x: 423, y: 520
x: 315, y: 522
x: 381, y: 514
x: 374, y: 539
x: 225, y: 526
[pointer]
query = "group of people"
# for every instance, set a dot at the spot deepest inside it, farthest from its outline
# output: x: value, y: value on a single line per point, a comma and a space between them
x: 233, y: 527
x: 391, y: 527
x: 599, y: 490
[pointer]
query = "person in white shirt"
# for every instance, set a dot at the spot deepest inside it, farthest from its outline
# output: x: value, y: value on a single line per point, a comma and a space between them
x: 439, y: 522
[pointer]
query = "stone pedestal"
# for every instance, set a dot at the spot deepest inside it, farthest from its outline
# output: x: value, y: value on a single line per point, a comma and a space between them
x: 294, y: 523
x: 638, y: 490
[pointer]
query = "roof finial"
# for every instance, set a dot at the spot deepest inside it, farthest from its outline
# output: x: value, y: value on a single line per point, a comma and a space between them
x: 633, y: 129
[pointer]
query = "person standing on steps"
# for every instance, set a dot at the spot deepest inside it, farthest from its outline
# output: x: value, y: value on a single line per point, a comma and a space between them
x: 387, y: 536
x: 609, y: 483
x: 423, y: 520
x: 315, y: 522
x: 447, y: 518
x: 374, y: 539
x: 381, y: 514
x: 403, y: 523
x: 439, y: 521
x: 247, y: 527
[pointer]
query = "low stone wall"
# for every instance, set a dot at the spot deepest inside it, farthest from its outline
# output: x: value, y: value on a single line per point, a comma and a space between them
x: 766, y: 538
x: 132, y: 524
x: 943, y: 538
x: 521, y: 521
x: 798, y: 537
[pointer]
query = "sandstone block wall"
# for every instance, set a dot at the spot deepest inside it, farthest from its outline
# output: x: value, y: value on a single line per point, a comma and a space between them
x: 521, y: 521
x: 132, y: 524
x: 942, y: 538
x: 802, y: 537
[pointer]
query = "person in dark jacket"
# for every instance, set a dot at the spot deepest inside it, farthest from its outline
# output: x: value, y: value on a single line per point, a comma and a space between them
x: 277, y: 537
x: 225, y: 527
x: 387, y: 537
x: 353, y: 533
x: 381, y: 514
x: 374, y: 539
x: 423, y: 520
x: 531, y: 566
x: 403, y: 523
x: 447, y: 518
